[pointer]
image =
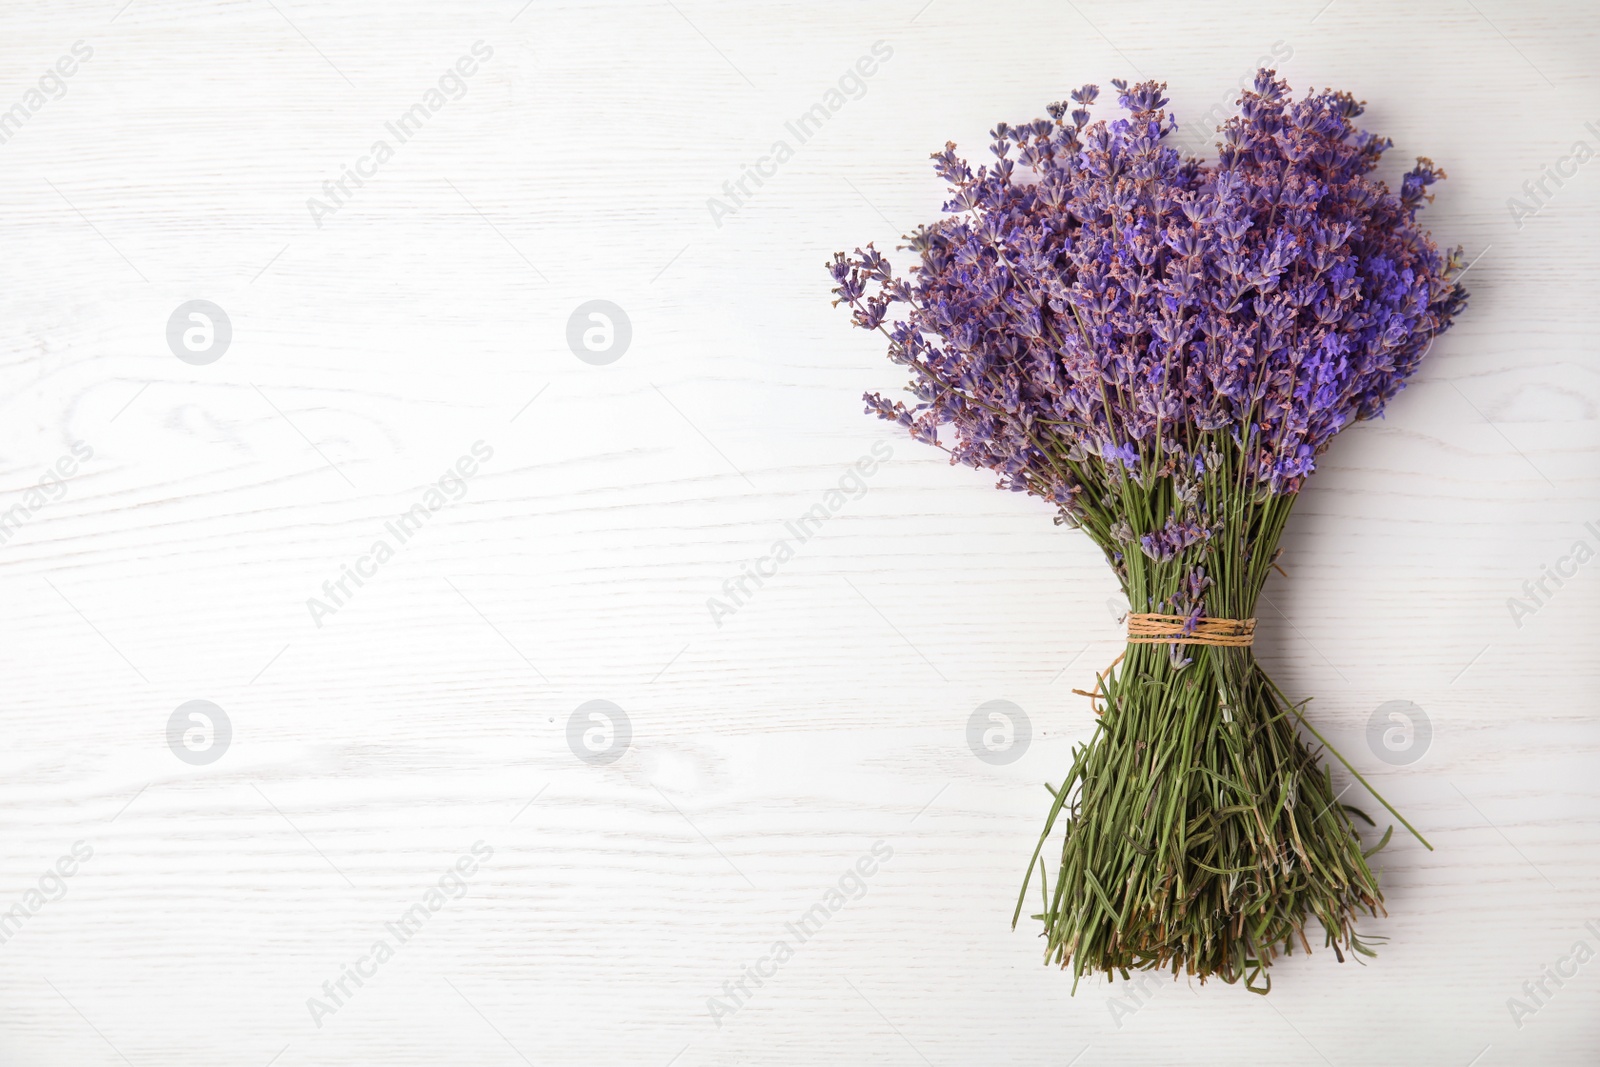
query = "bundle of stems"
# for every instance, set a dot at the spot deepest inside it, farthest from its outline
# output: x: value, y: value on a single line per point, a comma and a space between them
x: 1201, y: 832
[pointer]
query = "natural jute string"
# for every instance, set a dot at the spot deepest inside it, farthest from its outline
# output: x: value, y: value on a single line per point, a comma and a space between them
x: 1169, y: 629
x: 1147, y: 629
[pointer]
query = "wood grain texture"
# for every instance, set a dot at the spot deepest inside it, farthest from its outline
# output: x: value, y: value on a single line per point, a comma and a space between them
x: 769, y: 753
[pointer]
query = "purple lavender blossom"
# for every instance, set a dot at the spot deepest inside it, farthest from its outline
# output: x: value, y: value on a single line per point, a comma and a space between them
x: 1094, y: 297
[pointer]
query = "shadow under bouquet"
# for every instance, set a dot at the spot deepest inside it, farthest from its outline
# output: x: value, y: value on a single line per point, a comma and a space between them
x: 1160, y: 348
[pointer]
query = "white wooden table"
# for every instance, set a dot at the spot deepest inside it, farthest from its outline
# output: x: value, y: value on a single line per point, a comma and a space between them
x: 365, y: 748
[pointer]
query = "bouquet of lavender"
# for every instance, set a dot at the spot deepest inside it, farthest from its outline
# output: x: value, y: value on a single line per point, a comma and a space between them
x: 1160, y: 348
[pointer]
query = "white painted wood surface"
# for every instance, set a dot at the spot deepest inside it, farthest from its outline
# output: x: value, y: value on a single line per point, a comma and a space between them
x: 430, y: 711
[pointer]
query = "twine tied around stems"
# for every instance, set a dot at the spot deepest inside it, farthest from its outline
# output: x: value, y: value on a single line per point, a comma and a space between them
x: 1176, y: 629
x: 1150, y: 629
